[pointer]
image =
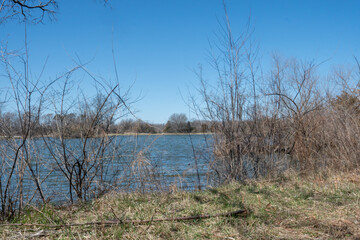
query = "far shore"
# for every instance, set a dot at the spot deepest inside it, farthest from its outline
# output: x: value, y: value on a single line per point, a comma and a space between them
x: 156, y: 134
x: 120, y: 134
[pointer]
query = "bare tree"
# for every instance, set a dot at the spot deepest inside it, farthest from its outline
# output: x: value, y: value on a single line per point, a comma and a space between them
x: 296, y: 98
x: 254, y: 124
x: 343, y: 121
x: 87, y: 163
x: 19, y: 154
x: 178, y: 123
x: 34, y: 11
x: 230, y: 103
x: 31, y: 10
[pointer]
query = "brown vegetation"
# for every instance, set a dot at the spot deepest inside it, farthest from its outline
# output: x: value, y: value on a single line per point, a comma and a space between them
x: 265, y: 123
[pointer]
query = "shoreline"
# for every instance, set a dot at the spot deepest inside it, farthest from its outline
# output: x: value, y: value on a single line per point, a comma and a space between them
x: 111, y: 135
x: 157, y: 134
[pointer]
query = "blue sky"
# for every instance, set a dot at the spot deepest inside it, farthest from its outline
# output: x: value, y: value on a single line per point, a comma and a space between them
x: 159, y: 43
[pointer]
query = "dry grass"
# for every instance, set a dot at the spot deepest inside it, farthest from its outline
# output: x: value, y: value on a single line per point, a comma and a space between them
x: 325, y: 206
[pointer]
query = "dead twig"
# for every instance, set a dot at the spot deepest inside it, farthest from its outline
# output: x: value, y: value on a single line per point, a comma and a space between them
x: 242, y: 212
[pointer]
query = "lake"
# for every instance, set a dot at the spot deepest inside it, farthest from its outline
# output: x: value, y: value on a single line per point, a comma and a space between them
x: 129, y: 163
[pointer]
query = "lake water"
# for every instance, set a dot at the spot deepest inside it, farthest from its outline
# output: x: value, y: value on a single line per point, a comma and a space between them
x: 143, y: 162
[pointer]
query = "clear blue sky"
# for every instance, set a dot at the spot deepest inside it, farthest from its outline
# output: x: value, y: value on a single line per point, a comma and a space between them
x: 158, y: 43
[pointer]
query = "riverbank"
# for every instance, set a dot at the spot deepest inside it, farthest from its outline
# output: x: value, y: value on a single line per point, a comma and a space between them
x: 157, y: 134
x: 115, y: 134
x: 289, y: 207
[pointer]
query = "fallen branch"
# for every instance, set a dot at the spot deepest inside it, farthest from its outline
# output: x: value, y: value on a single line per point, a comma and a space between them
x: 117, y: 222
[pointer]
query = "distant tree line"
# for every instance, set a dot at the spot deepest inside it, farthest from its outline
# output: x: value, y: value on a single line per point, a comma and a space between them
x: 74, y: 124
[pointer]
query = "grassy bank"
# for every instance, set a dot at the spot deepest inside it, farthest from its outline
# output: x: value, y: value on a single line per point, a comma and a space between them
x: 290, y: 207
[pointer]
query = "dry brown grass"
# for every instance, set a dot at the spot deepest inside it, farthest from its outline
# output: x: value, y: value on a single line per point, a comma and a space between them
x: 325, y: 206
